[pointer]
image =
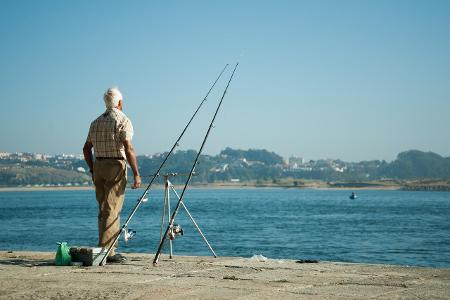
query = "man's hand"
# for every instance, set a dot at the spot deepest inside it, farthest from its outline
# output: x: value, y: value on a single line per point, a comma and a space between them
x: 137, y: 182
x: 131, y: 158
x: 87, y: 152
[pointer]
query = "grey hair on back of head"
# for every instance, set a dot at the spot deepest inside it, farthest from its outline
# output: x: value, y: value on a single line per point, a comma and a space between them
x: 112, y: 97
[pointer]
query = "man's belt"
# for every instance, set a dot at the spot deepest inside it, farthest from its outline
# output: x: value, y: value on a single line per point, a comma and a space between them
x: 116, y: 158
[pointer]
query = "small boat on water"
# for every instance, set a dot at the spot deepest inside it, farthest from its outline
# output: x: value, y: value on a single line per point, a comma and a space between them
x: 353, y: 196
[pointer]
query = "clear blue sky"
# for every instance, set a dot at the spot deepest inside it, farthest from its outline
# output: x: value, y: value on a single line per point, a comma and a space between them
x: 354, y: 80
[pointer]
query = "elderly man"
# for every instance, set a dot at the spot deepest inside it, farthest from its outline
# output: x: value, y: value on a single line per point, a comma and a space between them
x: 110, y: 136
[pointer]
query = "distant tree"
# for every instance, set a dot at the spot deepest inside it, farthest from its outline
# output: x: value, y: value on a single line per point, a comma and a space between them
x: 416, y: 164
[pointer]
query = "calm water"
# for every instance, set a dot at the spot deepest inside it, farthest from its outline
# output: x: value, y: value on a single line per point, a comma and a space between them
x: 393, y: 227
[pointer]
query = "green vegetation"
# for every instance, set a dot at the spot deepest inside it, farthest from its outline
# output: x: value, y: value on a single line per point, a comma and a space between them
x: 252, y: 167
x: 416, y: 165
x: 18, y: 175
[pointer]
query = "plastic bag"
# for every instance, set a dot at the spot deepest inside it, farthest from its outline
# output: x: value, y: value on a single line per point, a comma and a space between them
x: 63, y: 257
x: 258, y: 257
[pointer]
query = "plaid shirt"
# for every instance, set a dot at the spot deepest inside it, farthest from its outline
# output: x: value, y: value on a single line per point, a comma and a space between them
x: 108, y: 132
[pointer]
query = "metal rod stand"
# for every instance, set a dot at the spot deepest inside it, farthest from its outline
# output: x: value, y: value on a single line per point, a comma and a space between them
x: 168, y: 187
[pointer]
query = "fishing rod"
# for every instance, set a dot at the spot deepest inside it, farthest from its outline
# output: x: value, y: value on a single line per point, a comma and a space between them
x: 143, y: 197
x: 175, y: 212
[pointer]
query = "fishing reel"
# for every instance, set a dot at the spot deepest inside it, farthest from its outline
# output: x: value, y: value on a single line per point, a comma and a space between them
x: 175, y: 231
x: 128, y: 234
x: 144, y: 200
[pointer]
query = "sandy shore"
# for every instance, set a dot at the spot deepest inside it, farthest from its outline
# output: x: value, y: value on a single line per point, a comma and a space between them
x: 32, y: 275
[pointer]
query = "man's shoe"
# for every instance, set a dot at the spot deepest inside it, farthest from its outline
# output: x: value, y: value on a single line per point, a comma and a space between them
x: 116, y: 259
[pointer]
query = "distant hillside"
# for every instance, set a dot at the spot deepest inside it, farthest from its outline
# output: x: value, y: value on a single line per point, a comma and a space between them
x: 263, y: 156
x: 230, y: 165
x: 255, y: 164
x: 18, y: 175
x: 416, y: 164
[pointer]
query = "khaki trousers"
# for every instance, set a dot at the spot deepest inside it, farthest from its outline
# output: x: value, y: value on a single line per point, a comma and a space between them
x: 110, y: 179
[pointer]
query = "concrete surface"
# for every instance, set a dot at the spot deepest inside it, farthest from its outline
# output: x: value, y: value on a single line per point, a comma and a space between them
x: 32, y: 275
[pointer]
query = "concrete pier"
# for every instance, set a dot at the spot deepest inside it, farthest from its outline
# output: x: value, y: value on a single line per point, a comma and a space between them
x: 32, y: 275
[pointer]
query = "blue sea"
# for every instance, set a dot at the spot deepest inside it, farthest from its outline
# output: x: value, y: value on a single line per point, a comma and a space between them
x: 388, y: 227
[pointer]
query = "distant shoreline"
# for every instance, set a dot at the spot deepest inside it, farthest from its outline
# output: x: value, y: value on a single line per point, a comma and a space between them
x: 202, y: 186
x: 419, y: 185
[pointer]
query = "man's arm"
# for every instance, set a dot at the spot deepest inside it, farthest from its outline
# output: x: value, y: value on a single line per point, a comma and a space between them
x: 131, y: 158
x: 87, y: 152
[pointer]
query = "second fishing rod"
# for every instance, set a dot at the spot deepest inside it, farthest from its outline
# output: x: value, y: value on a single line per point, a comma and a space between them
x: 180, y: 200
x: 156, y: 174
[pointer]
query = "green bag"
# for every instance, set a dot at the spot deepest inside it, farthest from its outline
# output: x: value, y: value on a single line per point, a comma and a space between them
x: 62, y: 257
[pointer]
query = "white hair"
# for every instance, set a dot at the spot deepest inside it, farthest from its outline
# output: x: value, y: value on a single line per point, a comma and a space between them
x: 112, y: 97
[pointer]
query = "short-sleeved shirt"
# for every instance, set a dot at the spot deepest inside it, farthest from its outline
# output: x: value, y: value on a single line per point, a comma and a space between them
x: 108, y: 132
